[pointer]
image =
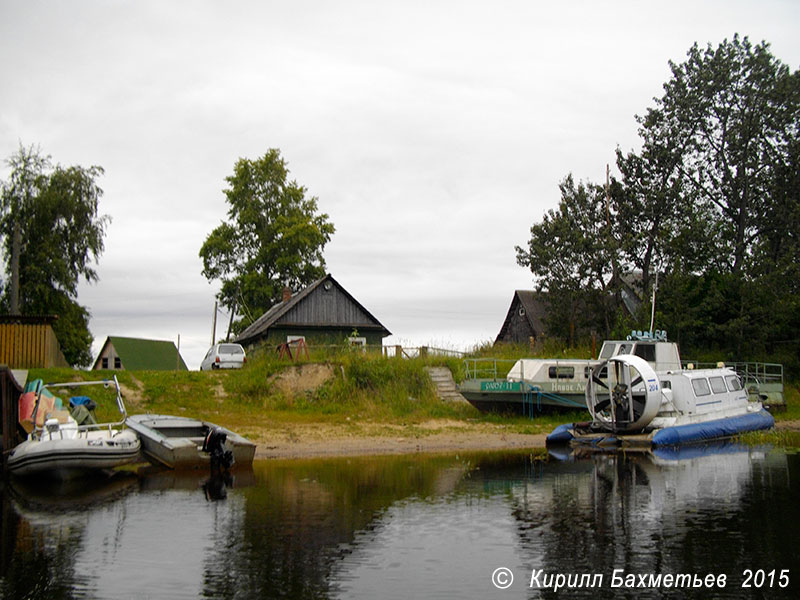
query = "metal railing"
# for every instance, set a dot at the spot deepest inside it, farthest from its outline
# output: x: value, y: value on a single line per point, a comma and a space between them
x: 38, y: 431
x: 487, y: 368
x: 749, y: 372
x: 393, y: 351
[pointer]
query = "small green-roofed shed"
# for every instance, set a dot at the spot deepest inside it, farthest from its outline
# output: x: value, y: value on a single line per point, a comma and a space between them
x: 135, y: 354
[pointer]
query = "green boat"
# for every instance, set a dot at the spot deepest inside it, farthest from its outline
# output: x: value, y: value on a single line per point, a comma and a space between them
x: 530, y: 386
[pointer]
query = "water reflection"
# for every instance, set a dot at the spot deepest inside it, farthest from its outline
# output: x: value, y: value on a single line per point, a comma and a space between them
x: 402, y: 527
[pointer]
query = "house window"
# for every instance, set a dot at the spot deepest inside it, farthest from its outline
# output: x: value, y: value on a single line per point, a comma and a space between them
x: 358, y: 342
x: 105, y: 362
x: 117, y: 362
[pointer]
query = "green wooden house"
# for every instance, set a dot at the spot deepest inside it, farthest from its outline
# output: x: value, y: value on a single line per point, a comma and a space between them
x: 134, y: 354
x: 322, y: 313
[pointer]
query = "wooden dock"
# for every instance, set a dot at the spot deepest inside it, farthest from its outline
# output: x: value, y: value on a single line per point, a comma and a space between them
x: 10, y: 390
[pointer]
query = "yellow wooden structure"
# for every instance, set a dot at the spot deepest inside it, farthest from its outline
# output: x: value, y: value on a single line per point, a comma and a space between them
x: 28, y: 342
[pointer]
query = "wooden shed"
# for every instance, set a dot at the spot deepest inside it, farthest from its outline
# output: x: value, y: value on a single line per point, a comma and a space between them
x: 525, y: 319
x: 29, y: 342
x: 322, y: 313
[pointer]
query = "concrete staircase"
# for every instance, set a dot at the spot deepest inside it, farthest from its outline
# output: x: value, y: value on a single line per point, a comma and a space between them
x: 445, y: 385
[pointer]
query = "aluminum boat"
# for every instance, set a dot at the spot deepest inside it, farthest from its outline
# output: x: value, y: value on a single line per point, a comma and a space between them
x: 183, y: 442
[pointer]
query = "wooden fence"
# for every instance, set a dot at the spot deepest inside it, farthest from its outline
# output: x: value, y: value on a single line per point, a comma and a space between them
x: 28, y: 345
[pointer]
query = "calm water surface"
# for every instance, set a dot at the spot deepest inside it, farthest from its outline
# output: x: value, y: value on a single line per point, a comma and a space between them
x: 416, y: 527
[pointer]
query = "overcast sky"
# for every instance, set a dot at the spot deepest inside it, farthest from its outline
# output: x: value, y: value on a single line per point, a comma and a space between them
x: 434, y: 134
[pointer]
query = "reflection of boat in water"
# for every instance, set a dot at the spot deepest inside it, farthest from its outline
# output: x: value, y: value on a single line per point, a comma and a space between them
x: 58, y: 445
x: 55, y: 496
x: 183, y: 442
x: 157, y: 478
x: 535, y: 385
x: 633, y: 406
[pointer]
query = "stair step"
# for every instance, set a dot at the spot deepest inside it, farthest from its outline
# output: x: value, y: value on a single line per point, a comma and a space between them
x: 445, y: 385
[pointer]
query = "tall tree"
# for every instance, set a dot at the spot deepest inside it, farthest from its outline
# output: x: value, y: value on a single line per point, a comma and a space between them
x: 571, y: 254
x: 52, y: 234
x: 722, y: 128
x: 274, y: 238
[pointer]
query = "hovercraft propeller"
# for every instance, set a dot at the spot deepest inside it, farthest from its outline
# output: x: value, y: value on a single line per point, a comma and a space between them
x: 623, y: 394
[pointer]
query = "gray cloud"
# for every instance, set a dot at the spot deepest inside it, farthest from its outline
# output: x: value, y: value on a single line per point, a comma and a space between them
x: 433, y: 134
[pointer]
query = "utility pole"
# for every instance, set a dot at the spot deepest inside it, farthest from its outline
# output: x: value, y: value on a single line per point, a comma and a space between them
x: 214, y: 326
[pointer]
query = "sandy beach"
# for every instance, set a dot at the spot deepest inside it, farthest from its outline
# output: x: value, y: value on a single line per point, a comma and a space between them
x: 325, y: 440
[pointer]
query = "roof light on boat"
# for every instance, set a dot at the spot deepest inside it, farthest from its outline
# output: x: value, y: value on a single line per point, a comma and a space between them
x: 720, y: 365
x: 690, y: 367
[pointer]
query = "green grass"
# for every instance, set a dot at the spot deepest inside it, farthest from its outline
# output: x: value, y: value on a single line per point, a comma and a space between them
x: 779, y: 438
x: 364, y: 388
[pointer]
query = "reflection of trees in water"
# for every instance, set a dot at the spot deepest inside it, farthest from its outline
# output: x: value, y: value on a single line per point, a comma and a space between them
x: 642, y: 514
x: 303, y: 516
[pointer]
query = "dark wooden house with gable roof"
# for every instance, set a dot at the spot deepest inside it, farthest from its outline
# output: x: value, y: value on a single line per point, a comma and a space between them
x: 525, y: 319
x: 322, y: 313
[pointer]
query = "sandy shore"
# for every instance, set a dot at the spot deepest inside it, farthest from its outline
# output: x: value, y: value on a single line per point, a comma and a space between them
x: 361, y: 446
x: 324, y: 440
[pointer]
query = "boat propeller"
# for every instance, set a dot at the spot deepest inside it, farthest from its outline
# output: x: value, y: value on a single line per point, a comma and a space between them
x: 623, y: 394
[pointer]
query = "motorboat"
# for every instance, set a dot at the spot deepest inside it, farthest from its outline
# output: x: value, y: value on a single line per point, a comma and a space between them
x: 183, y: 442
x: 534, y: 385
x: 634, y: 406
x: 58, y: 445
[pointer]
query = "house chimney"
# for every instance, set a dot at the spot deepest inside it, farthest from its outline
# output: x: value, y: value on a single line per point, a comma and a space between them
x: 287, y: 294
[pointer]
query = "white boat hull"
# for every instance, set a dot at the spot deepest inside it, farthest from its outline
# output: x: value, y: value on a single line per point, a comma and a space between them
x: 70, y: 457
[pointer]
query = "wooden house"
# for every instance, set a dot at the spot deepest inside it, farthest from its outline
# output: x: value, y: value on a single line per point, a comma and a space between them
x: 134, y: 354
x: 322, y: 313
x: 29, y: 342
x: 524, y: 322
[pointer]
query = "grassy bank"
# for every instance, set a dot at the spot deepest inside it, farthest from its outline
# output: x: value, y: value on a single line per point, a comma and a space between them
x: 360, y: 394
x: 356, y: 395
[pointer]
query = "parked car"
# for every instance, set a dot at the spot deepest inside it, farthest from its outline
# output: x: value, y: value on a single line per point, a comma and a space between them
x: 224, y: 356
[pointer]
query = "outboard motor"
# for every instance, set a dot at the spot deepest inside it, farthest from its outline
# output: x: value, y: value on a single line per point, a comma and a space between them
x: 214, y: 444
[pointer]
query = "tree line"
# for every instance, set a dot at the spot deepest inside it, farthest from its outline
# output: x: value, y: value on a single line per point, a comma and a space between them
x: 708, y: 208
x: 53, y: 234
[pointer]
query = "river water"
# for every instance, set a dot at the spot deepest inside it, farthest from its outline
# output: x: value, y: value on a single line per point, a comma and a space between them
x: 722, y: 522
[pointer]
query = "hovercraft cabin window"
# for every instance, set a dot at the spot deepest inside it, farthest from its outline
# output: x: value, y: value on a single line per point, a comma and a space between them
x: 717, y: 385
x: 701, y: 387
x: 645, y: 351
x: 734, y: 384
x: 561, y: 372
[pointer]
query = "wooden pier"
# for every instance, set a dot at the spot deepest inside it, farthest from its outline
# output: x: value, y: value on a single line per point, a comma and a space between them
x: 10, y: 390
